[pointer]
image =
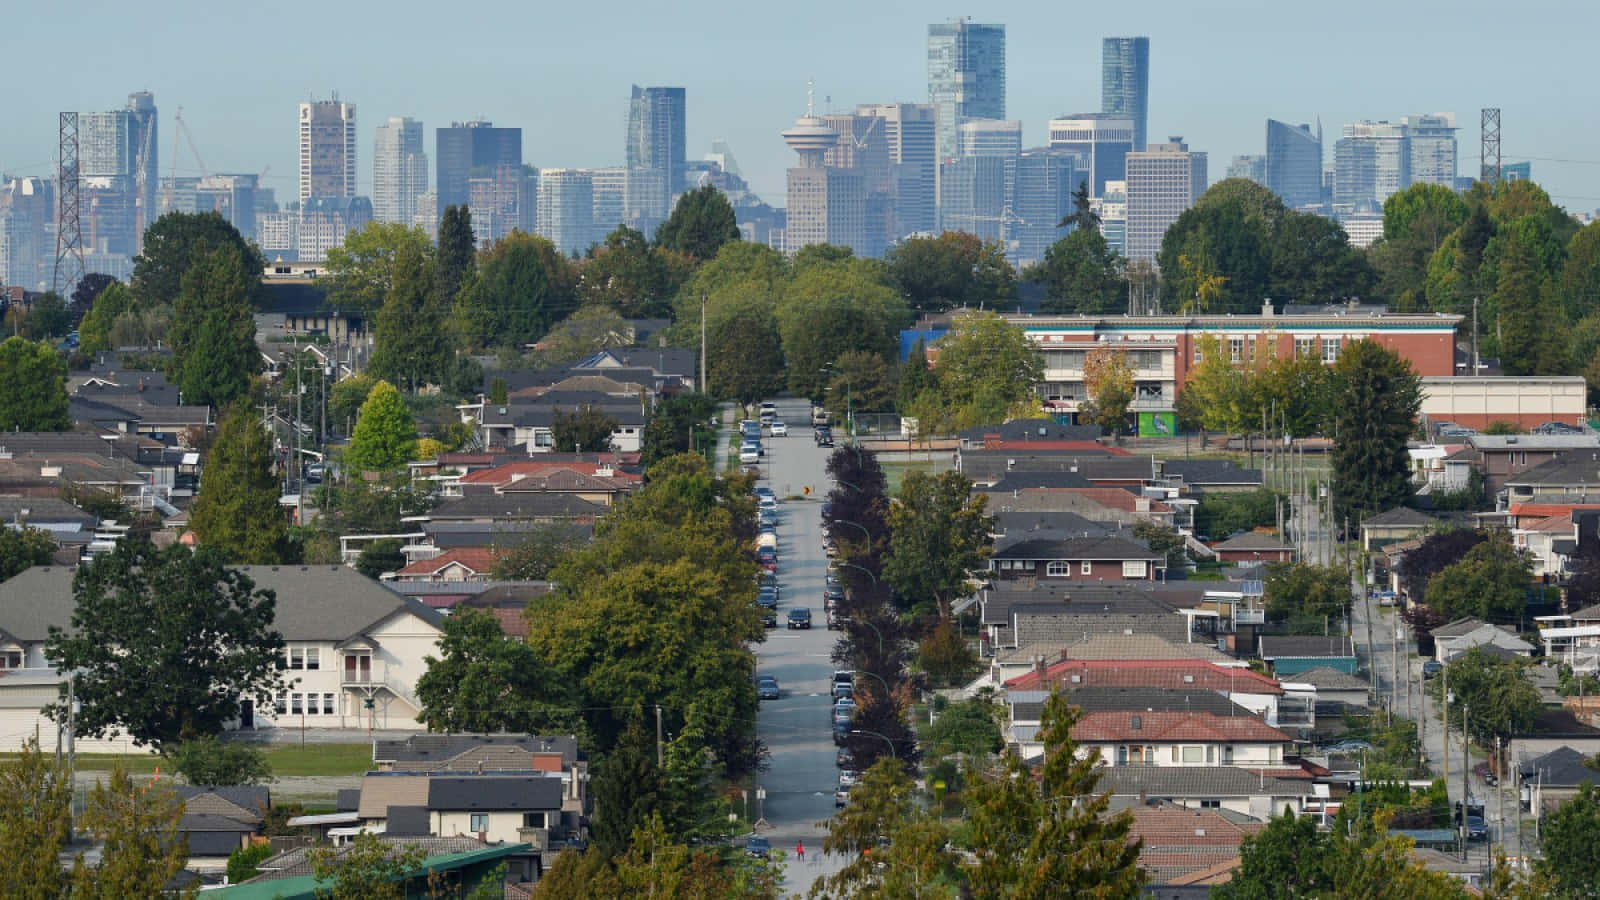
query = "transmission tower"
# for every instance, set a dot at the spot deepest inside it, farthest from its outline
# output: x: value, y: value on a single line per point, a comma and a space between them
x: 69, y: 229
x: 1489, y: 149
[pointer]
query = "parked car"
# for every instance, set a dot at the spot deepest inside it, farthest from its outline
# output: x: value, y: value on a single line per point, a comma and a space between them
x: 845, y: 759
x: 1558, y: 428
x: 848, y: 778
x: 844, y: 710
x: 843, y: 676
x: 769, y: 618
x: 843, y: 691
x: 767, y: 688
x: 749, y: 455
x: 841, y: 732
x: 757, y: 846
x: 780, y: 430
x: 832, y: 597
x: 1477, y: 828
x: 1431, y: 667
x: 841, y: 797
x: 767, y: 557
x: 767, y: 599
x: 800, y: 617
x: 1482, y: 771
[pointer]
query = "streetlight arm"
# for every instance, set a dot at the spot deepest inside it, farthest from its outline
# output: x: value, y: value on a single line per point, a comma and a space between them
x: 884, y: 738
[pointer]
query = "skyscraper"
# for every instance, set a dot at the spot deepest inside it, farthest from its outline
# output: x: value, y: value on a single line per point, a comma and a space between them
x: 863, y: 148
x: 1102, y: 143
x: 326, y: 221
x: 989, y: 137
x: 1433, y: 148
x: 826, y: 204
x: 1371, y: 161
x: 654, y: 153
x: 610, y: 186
x: 399, y: 171
x: 327, y: 149
x: 471, y: 148
x: 1125, y: 82
x: 911, y: 133
x: 1041, y: 187
x: 1163, y: 181
x: 501, y: 201
x: 1251, y: 167
x: 117, y: 171
x: 566, y: 208
x: 1294, y: 163
x: 966, y: 76
x: 972, y: 196
x: 146, y: 174
x: 27, y: 206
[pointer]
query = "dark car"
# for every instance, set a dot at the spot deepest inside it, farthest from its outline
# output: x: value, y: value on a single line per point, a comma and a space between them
x: 800, y: 618
x: 1477, y: 829
x: 767, y: 688
x: 767, y: 599
x: 827, y: 509
x: 832, y: 597
x: 841, y: 732
x: 769, y: 618
x: 841, y: 797
x: 1431, y: 667
x: 758, y: 847
x: 845, y: 760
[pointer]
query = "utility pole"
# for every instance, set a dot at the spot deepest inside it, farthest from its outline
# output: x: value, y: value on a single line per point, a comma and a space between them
x: 1500, y: 796
x: 299, y: 461
x: 1466, y: 766
x: 1444, y: 730
x: 661, y: 753
x: 704, y: 388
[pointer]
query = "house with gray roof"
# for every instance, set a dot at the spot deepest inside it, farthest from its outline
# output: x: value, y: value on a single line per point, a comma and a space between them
x: 1208, y: 476
x: 1456, y: 638
x: 218, y: 820
x: 1233, y: 788
x: 353, y: 650
x: 1057, y: 555
x: 1398, y: 524
x: 1289, y: 655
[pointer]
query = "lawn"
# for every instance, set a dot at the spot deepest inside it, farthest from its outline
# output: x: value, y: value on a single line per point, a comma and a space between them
x: 895, y: 468
x: 285, y: 759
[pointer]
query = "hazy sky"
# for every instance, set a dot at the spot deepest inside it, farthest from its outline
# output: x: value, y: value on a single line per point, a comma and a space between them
x: 562, y: 72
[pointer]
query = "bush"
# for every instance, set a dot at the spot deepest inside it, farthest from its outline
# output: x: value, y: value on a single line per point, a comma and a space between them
x: 1221, y: 515
x: 208, y: 761
x: 243, y: 861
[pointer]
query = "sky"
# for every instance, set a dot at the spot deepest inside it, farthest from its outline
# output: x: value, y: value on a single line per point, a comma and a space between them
x: 562, y: 72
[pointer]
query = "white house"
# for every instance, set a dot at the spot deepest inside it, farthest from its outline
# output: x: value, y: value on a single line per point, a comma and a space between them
x: 353, y: 650
x: 1458, y: 637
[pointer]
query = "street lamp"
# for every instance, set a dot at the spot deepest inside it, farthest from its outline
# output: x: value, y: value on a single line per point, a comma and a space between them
x: 849, y: 410
x: 867, y: 534
x: 875, y: 734
x: 874, y: 631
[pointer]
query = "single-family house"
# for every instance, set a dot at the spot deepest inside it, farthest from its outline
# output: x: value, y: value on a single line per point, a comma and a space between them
x: 1178, y: 846
x: 1071, y: 557
x: 1397, y: 524
x: 1237, y: 684
x: 1238, y: 790
x: 1289, y: 655
x: 1334, y: 686
x: 1208, y: 476
x: 1549, y: 543
x: 1180, y: 738
x: 217, y: 821
x: 1549, y: 778
x: 1456, y: 638
x: 1101, y: 504
x: 1513, y: 459
x: 455, y: 564
x: 1019, y: 613
x: 1251, y: 547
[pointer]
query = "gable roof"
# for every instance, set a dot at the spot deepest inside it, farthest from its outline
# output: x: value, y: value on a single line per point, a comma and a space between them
x: 1115, y: 647
x: 1459, y: 627
x: 498, y: 792
x: 1324, y: 678
x: 1185, y: 782
x: 1400, y: 516
x: 1036, y: 546
x: 1561, y: 767
x: 512, y: 472
x: 1169, y: 674
x: 1015, y: 524
x: 1209, y: 471
x: 1102, y: 726
x: 1021, y: 481
x: 1274, y: 646
x: 477, y: 560
x: 434, y: 751
x: 1252, y: 541
x: 517, y: 505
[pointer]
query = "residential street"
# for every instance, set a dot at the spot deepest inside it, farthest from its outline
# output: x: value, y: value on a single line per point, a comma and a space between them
x: 802, y: 777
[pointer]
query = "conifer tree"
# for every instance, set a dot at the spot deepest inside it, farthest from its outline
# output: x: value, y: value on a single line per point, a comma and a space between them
x: 237, y: 510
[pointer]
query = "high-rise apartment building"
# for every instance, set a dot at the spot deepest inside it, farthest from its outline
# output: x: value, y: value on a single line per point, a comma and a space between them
x: 502, y: 201
x: 1125, y: 82
x: 1432, y: 140
x: 1371, y: 161
x: 911, y: 133
x: 989, y: 137
x: 326, y: 221
x: 27, y: 207
x: 1249, y: 167
x: 966, y: 77
x: 863, y: 148
x: 654, y: 155
x: 473, y: 148
x: 566, y: 209
x: 327, y: 149
x: 1112, y: 207
x: 117, y: 171
x: 826, y: 204
x: 399, y: 171
x: 1294, y: 163
x: 146, y: 174
x: 1041, y: 186
x: 1163, y: 181
x: 610, y: 199
x: 972, y: 196
x: 1102, y: 142
x: 233, y: 197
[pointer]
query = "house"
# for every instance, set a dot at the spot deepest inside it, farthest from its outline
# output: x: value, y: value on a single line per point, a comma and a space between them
x: 1574, y: 640
x: 1180, y: 738
x: 669, y: 367
x: 1011, y: 663
x: 1177, y: 844
x: 498, y: 807
x: 1289, y: 655
x: 530, y: 425
x: 466, y: 862
x: 1458, y: 637
x: 1100, y: 504
x: 1251, y: 690
x: 508, y: 603
x: 1068, y: 557
x: 1208, y: 476
x: 353, y: 648
x: 1547, y: 779
x: 456, y: 564
x: 1253, y: 546
x: 597, y: 482
x: 491, y: 508
x: 1549, y: 543
x: 1525, y: 460
x: 217, y: 821
x: 1334, y: 686
x: 1397, y: 524
x: 1014, y: 524
x: 1234, y: 789
x: 986, y: 467
x: 1018, y: 613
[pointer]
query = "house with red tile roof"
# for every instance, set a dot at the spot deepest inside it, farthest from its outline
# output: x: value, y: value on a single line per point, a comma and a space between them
x: 458, y: 564
x: 1255, y: 692
x: 1180, y: 844
x: 1099, y: 504
x: 1180, y: 738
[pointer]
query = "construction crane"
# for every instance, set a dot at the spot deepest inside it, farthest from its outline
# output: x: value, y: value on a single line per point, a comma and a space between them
x: 172, y: 180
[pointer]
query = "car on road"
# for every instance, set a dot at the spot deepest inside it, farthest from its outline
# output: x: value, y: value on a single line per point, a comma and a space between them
x: 766, y: 599
x: 757, y: 846
x: 1431, y: 667
x: 848, y: 777
x: 841, y: 731
x: 767, y: 558
x: 844, y: 710
x: 767, y: 688
x: 749, y: 454
x: 1477, y: 828
x: 1482, y: 771
x: 769, y: 618
x: 1349, y: 747
x: 780, y: 430
x: 832, y: 596
x: 1384, y: 598
x: 843, y: 676
x: 843, y: 691
x: 841, y: 797
x: 845, y: 759
x: 800, y: 617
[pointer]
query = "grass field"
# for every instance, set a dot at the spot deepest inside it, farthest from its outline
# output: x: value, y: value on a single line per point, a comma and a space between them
x: 896, y: 467
x: 292, y: 759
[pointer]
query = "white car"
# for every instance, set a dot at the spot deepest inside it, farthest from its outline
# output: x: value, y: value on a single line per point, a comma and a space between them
x: 848, y: 778
x: 780, y: 430
x: 749, y: 456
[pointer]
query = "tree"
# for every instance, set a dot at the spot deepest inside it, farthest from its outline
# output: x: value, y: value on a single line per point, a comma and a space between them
x: 243, y: 863
x: 94, y: 332
x: 628, y: 791
x: 1221, y: 515
x: 945, y: 656
x: 524, y: 285
x: 345, y: 398
x: 484, y: 681
x: 1377, y: 398
x: 23, y: 548
x: 1108, y: 382
x: 380, y: 557
x: 1083, y: 217
x: 829, y: 309
x: 1311, y: 261
x: 1216, y: 257
x: 1571, y: 839
x: 48, y: 317
x: 209, y: 761
x: 1527, y: 307
x: 701, y: 222
x: 986, y: 373
x: 213, y: 330
x: 214, y: 648
x: 629, y: 276
x: 1437, y: 551
x: 456, y: 259
x: 893, y: 847
x: 177, y: 241
x: 535, y: 553
x: 33, y: 387
x: 385, y: 437
x: 915, y: 377
x: 1082, y: 274
x: 1283, y: 860
x: 370, y: 869
x: 1165, y: 540
x: 35, y: 820
x: 655, y: 866
x: 89, y: 289
x: 1307, y: 597
x: 666, y: 433
x: 1490, y: 581
x: 587, y: 429
x: 1052, y: 837
x: 966, y: 727
x: 1493, y: 695
x: 744, y: 352
x: 1416, y: 222
x: 237, y: 512
x: 363, y: 267
x: 862, y: 382
x: 413, y: 347
x: 956, y: 268
x: 1580, y: 276
x: 137, y: 826
x: 939, y: 532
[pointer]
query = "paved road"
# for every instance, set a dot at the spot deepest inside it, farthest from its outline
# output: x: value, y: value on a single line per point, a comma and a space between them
x: 802, y: 776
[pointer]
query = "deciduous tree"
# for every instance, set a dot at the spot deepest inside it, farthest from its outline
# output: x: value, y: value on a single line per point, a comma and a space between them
x: 210, y: 761
x: 861, y: 382
x: 523, y: 286
x: 237, y: 512
x: 385, y: 437
x: 533, y: 554
x: 744, y: 352
x: 214, y: 647
x: 33, y: 387
x: 177, y: 241
x: 1306, y: 597
x: 413, y: 346
x: 701, y: 222
x: 1571, y: 842
x: 986, y: 373
x: 1108, y: 382
x: 1082, y: 274
x: 830, y: 309
x: 587, y: 429
x: 363, y: 267
x: 954, y: 269
x: 629, y: 276
x: 48, y: 317
x: 1490, y: 581
x: 1493, y: 695
x: 485, y: 681
x: 939, y: 533
x: 22, y: 548
x: 370, y: 869
x: 94, y: 332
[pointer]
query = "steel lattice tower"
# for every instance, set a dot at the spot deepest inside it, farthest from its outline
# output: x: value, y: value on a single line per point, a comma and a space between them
x: 69, y: 228
x: 1489, y: 148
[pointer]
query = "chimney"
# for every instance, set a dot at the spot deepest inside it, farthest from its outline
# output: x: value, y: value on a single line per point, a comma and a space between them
x: 1266, y: 308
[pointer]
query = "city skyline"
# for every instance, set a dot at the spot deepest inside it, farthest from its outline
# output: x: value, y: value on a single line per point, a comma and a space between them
x: 1205, y: 83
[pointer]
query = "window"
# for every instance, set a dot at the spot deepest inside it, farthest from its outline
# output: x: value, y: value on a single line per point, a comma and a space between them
x: 1087, y: 568
x: 1210, y: 804
x: 1058, y: 568
x: 1304, y: 346
x: 533, y: 820
x: 1194, y: 754
x: 11, y: 659
x: 300, y: 656
x: 313, y: 658
x: 543, y: 438
x: 479, y: 822
x: 1133, y: 568
x: 296, y: 704
x: 282, y: 704
x: 1236, y: 349
x: 1199, y: 357
x: 1330, y: 350
x: 297, y: 657
x: 327, y: 704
